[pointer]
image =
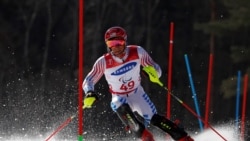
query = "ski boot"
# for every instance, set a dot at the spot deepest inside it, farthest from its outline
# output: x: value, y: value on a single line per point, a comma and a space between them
x: 178, y: 123
x: 187, y: 138
x: 147, y: 136
x: 127, y: 129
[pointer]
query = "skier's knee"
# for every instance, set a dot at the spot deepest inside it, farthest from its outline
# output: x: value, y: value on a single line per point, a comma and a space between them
x: 117, y: 102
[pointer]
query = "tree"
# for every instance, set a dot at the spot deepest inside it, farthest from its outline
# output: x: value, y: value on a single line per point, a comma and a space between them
x: 229, y: 24
x: 28, y: 17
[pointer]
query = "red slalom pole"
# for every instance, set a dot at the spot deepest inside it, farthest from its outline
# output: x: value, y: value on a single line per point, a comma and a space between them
x: 244, y: 107
x: 170, y: 62
x: 66, y: 122
x: 80, y: 69
x: 211, y: 59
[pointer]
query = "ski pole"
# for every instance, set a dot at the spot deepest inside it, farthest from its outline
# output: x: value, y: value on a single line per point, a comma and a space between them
x: 88, y: 104
x: 192, y: 111
x: 153, y: 77
x: 65, y: 123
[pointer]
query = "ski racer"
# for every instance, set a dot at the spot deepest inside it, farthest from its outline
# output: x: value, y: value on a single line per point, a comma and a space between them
x: 121, y: 67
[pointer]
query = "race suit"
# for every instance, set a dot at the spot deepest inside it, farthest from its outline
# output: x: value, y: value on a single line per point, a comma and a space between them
x: 124, y: 80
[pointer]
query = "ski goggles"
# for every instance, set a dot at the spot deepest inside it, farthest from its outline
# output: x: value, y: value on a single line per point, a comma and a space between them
x: 114, y: 43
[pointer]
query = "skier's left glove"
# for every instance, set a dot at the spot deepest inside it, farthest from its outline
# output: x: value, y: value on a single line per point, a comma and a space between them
x: 90, y: 99
x: 152, y: 74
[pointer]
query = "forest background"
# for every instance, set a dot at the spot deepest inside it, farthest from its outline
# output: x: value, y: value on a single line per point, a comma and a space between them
x: 39, y: 58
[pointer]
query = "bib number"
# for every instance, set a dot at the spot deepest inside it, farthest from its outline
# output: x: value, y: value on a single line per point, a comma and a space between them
x: 128, y: 86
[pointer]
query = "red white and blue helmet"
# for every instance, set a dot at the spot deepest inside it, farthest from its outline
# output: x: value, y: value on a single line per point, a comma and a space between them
x: 115, y: 32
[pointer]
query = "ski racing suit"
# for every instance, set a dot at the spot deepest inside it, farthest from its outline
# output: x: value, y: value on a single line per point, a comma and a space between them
x: 124, y: 80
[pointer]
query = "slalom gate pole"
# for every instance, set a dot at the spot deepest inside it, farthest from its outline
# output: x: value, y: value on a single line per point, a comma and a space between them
x: 59, y: 128
x: 209, y: 83
x: 243, y: 117
x: 193, y: 90
x: 170, y: 68
x: 80, y: 67
x: 237, y: 102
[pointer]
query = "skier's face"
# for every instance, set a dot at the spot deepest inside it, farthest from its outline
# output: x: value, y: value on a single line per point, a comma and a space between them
x: 117, y: 47
x: 118, y: 51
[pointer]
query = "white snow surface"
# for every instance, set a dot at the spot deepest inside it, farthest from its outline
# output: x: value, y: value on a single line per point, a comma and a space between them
x: 226, y: 131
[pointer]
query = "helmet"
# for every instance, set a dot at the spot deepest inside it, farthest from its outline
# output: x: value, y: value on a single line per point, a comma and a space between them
x: 115, y: 32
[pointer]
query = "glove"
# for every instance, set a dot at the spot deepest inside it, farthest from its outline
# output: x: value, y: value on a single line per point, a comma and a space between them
x: 90, y: 99
x: 152, y: 74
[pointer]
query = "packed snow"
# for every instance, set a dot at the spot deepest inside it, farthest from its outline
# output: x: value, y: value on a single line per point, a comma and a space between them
x: 227, y: 131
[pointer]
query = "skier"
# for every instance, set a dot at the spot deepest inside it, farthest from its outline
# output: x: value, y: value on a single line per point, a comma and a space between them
x: 121, y: 67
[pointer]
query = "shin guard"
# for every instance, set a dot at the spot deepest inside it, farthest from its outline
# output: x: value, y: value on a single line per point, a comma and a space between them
x: 128, y: 118
x: 168, y: 126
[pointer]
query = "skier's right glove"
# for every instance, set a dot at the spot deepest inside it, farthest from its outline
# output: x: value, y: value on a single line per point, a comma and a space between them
x: 90, y: 99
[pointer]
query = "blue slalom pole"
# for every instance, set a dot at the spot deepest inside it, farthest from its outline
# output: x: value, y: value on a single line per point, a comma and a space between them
x: 193, y: 91
x: 237, y: 101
